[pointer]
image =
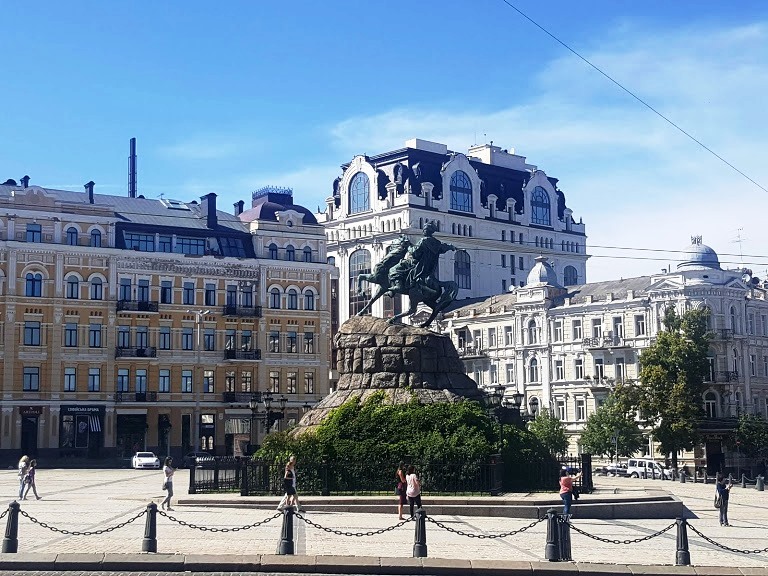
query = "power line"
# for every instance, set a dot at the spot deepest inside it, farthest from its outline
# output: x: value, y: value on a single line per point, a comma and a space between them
x: 632, y: 94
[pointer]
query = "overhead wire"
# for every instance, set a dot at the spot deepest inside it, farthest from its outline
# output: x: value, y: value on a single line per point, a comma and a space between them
x: 633, y: 95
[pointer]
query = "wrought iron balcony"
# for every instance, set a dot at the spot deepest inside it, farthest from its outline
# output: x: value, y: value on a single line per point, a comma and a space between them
x: 727, y: 376
x: 471, y: 351
x: 236, y: 397
x: 724, y: 334
x: 608, y: 341
x: 135, y: 397
x: 136, y: 306
x: 243, y: 311
x: 136, y: 352
x: 243, y: 354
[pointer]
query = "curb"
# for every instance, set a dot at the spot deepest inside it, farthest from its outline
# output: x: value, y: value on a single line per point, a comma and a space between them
x: 361, y: 565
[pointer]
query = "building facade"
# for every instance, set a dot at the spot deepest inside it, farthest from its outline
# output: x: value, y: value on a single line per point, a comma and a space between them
x: 565, y: 347
x: 498, y: 210
x: 130, y: 323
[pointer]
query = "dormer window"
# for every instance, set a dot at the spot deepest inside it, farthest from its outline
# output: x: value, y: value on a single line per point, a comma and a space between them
x: 72, y: 236
x: 540, y: 207
x: 273, y: 251
x: 359, y: 193
x: 461, y: 192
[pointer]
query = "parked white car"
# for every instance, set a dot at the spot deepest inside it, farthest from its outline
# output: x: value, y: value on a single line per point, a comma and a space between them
x: 637, y: 467
x: 145, y: 460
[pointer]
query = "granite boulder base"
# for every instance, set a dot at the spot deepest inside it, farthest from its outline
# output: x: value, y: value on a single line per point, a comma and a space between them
x: 402, y: 361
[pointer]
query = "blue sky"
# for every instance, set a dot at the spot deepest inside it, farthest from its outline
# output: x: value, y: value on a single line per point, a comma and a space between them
x: 234, y: 96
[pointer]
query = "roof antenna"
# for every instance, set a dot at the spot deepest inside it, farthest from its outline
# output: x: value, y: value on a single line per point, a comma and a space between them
x: 740, y: 239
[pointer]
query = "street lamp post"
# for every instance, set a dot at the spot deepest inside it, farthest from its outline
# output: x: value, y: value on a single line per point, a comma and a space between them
x: 253, y: 404
x: 197, y: 388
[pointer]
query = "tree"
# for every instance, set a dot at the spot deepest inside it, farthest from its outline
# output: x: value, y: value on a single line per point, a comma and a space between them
x: 550, y: 431
x: 751, y: 437
x: 672, y: 373
x: 612, y: 420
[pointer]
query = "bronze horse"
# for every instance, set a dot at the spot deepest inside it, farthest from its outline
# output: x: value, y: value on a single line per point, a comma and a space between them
x: 434, y: 293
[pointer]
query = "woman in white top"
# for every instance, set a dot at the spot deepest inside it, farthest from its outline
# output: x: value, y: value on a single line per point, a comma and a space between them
x: 414, y: 488
x: 23, y: 469
x: 168, y: 471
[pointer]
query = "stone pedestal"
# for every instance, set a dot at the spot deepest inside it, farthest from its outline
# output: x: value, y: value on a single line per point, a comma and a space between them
x: 402, y: 361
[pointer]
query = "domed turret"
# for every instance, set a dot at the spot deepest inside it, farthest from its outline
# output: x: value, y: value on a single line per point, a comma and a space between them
x: 698, y: 256
x: 542, y: 273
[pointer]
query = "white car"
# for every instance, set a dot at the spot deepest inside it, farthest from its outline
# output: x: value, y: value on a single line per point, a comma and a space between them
x: 145, y: 460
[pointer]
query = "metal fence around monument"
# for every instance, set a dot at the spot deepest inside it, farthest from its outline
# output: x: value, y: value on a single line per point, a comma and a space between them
x: 253, y: 477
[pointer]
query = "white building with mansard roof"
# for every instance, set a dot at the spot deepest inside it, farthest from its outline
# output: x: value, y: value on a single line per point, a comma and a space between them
x: 565, y: 347
x: 498, y: 210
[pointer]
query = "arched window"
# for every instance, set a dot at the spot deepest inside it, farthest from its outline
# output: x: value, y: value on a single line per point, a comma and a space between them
x: 736, y: 361
x: 710, y: 404
x: 470, y: 230
x: 453, y: 228
x: 95, y: 239
x: 533, y: 332
x: 533, y: 370
x: 462, y: 270
x: 273, y: 251
x: 73, y: 287
x: 359, y: 193
x: 72, y: 236
x: 290, y: 253
x: 293, y: 299
x: 97, y: 292
x: 359, y: 263
x: 562, y: 245
x: 570, y: 276
x: 34, y: 284
x: 540, y: 213
x: 274, y: 298
x: 307, y: 254
x: 464, y: 232
x: 537, y: 241
x: 309, y: 300
x: 461, y: 192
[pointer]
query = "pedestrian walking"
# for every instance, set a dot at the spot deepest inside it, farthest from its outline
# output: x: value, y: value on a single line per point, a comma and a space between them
x: 566, y: 490
x: 290, y: 497
x: 723, y: 486
x: 23, y: 469
x: 29, y: 481
x: 400, y: 489
x: 413, y: 488
x: 168, y: 471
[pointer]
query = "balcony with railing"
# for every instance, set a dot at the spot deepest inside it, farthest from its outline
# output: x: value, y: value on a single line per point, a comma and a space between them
x: 243, y: 354
x: 137, y: 306
x: 471, y: 352
x: 136, y: 352
x: 606, y: 341
x: 236, y: 397
x: 135, y: 397
x: 723, y: 334
x: 727, y: 376
x: 243, y: 311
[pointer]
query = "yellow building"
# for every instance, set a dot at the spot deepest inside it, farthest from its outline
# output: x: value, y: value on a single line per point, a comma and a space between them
x: 132, y: 324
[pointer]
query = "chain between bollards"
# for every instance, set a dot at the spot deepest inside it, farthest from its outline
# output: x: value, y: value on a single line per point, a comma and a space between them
x: 420, y: 536
x: 149, y: 543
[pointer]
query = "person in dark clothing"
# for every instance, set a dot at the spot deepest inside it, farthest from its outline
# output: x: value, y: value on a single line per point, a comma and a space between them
x: 723, y: 487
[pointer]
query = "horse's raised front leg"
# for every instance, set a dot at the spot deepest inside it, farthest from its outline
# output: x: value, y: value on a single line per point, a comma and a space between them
x: 380, y: 292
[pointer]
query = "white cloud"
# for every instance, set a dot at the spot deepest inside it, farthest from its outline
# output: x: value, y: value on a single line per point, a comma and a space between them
x: 635, y: 180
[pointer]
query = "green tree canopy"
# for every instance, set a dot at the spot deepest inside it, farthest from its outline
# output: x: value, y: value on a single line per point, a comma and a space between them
x: 550, y: 431
x: 672, y: 373
x: 751, y: 437
x: 611, y: 420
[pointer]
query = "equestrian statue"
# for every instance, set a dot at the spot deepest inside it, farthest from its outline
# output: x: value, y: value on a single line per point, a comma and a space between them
x: 409, y: 269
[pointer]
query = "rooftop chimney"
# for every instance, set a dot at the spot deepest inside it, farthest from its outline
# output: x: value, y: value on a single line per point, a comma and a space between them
x: 89, y: 191
x: 209, y: 205
x: 239, y: 207
x: 132, y: 170
x: 25, y: 182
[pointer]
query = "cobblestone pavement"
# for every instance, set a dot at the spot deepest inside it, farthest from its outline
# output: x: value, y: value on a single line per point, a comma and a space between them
x: 88, y: 500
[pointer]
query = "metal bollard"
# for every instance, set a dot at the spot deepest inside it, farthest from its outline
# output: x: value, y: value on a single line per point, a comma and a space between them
x: 760, y: 484
x: 552, y: 550
x: 743, y: 480
x: 706, y: 480
x: 286, y: 537
x: 420, y: 536
x: 682, y: 478
x: 564, y: 527
x: 683, y: 556
x: 149, y: 543
x: 11, y: 540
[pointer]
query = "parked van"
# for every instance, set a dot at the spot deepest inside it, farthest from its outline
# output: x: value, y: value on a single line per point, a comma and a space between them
x: 637, y: 467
